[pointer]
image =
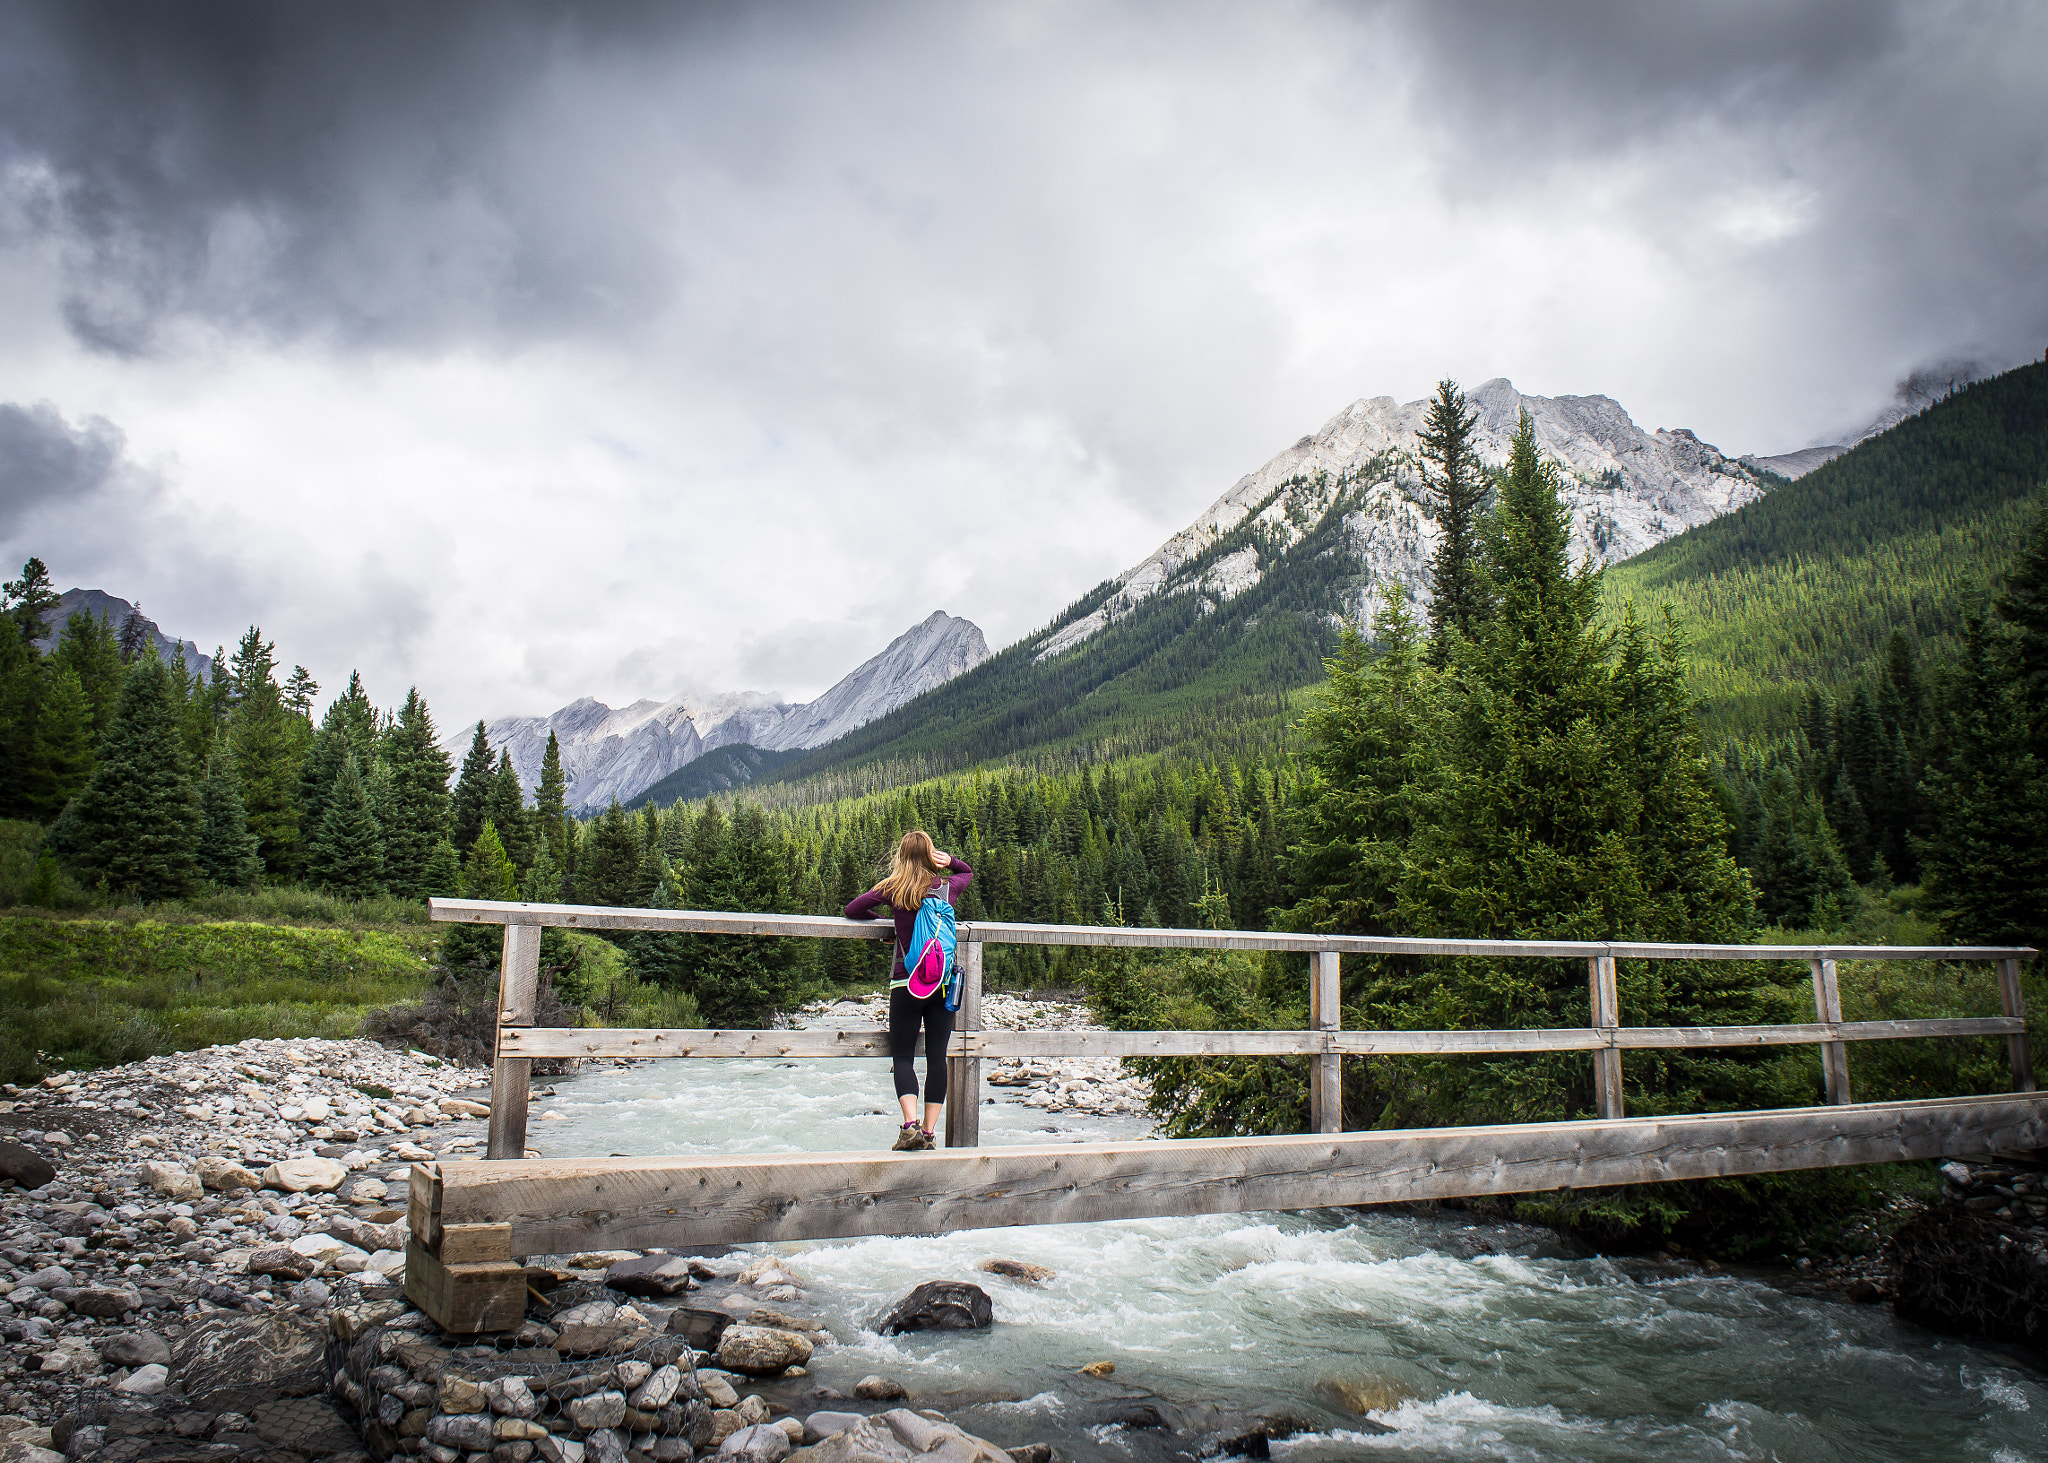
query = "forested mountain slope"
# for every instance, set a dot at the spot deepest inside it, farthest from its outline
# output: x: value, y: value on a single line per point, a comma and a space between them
x: 1805, y: 586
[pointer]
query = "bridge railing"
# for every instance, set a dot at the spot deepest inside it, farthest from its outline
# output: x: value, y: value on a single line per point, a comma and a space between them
x: 1325, y: 1043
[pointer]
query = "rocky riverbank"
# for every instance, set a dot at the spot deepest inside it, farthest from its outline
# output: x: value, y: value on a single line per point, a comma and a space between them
x: 1095, y: 1086
x: 201, y: 1258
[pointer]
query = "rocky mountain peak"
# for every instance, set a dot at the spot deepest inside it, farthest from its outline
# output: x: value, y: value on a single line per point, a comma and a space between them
x: 1626, y: 490
x: 608, y: 753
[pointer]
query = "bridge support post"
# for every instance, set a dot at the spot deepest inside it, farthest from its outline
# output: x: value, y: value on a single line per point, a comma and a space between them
x: 1834, y: 1055
x: 2015, y: 1004
x: 1607, y: 1096
x: 1326, y: 1074
x: 963, y: 1074
x: 518, y: 991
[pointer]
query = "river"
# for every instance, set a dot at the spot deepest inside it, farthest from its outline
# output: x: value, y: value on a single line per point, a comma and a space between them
x: 1463, y: 1340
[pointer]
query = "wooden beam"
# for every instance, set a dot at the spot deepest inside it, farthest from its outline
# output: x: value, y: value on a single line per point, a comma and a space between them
x: 2015, y: 1004
x: 518, y: 991
x: 963, y: 1072
x: 1834, y: 1056
x: 825, y: 927
x: 558, y: 1206
x: 1326, y: 1074
x: 1607, y: 1094
x: 639, y: 1042
x: 423, y: 1203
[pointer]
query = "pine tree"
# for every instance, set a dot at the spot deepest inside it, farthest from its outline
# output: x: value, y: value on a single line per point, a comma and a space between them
x: 418, y: 821
x: 227, y: 849
x: 349, y: 728
x: 346, y: 854
x: 443, y: 876
x: 60, y: 759
x: 29, y: 599
x: 134, y: 634
x: 136, y: 825
x: 473, y: 789
x: 300, y: 691
x: 487, y: 873
x: 1458, y: 488
x: 551, y: 804
x: 609, y: 871
x: 505, y: 805
x: 21, y: 693
x: 270, y: 744
x: 87, y: 645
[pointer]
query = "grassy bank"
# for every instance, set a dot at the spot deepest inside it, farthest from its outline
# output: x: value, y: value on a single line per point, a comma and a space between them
x: 77, y: 992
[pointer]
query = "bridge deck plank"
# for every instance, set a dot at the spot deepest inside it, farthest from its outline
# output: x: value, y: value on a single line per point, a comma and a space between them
x: 557, y: 1206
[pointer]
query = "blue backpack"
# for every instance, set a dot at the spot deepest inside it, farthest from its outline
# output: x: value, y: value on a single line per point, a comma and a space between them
x: 934, y: 940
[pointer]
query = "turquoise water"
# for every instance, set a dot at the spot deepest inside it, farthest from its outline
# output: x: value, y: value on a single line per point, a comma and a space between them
x: 1467, y: 1341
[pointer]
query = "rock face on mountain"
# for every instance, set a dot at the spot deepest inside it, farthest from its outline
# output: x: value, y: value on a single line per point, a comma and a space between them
x: 1626, y: 488
x: 609, y: 753
x: 115, y: 611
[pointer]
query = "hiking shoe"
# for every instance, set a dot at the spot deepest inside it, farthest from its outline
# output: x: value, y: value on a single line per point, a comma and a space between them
x: 910, y: 1138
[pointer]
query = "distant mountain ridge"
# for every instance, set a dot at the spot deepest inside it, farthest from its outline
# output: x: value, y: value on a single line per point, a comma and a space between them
x: 1912, y: 396
x: 620, y: 753
x: 115, y: 611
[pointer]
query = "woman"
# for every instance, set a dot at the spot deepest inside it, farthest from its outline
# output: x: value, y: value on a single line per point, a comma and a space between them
x: 917, y: 870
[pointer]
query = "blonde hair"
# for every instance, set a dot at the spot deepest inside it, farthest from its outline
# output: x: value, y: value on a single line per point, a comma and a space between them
x: 911, y: 871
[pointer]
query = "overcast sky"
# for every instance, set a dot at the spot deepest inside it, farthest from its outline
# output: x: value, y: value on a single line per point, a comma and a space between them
x: 523, y: 351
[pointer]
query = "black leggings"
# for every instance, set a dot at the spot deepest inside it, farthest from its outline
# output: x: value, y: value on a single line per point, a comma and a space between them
x: 906, y: 1014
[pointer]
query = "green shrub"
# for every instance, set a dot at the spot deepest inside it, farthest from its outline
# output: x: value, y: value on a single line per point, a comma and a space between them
x: 97, y: 992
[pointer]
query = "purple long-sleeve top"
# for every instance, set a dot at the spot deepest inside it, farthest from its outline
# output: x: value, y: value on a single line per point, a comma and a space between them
x: 870, y: 905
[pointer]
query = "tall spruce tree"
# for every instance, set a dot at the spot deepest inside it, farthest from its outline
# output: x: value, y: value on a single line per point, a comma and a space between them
x: 1458, y: 491
x: 60, y: 755
x: 87, y: 645
x: 227, y: 851
x: 417, y: 821
x: 1574, y: 805
x: 486, y: 874
x: 136, y: 825
x: 346, y: 853
x: 21, y: 694
x: 348, y: 728
x: 270, y: 743
x: 551, y: 805
x: 473, y: 789
x: 28, y: 600
x: 505, y: 805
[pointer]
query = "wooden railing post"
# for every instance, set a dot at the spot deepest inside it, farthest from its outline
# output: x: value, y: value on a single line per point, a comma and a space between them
x: 2015, y: 1005
x: 518, y: 989
x: 1606, y: 1017
x: 963, y: 1074
x: 1834, y: 1055
x: 1326, y: 1073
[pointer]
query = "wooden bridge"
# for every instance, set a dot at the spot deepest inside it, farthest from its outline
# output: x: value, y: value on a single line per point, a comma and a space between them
x: 472, y: 1221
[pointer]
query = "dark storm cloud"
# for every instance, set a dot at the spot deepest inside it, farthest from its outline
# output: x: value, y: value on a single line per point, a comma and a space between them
x: 360, y: 169
x: 44, y: 461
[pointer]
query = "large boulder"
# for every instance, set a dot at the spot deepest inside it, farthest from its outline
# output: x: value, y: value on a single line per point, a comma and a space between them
x: 172, y: 1182
x: 940, y: 1305
x: 222, y: 1355
x: 764, y: 1442
x: 135, y: 1348
x: 218, y: 1173
x: 761, y: 1350
x: 651, y: 1275
x: 703, y: 1329
x: 897, y: 1436
x: 305, y: 1175
x: 25, y: 1166
x: 282, y: 1263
